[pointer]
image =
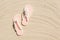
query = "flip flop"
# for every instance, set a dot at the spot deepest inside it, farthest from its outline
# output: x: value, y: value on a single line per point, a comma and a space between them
x: 17, y: 25
x: 27, y: 11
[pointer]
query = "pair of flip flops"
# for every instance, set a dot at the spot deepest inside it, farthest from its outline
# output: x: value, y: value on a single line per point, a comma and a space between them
x: 22, y: 20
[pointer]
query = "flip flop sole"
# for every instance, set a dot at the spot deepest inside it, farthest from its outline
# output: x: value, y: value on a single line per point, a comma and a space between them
x: 27, y: 12
x: 17, y: 25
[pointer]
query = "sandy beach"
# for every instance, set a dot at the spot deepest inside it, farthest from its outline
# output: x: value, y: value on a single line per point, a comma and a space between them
x: 44, y: 23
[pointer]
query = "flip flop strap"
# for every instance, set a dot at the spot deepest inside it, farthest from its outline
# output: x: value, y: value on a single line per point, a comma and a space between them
x: 17, y: 25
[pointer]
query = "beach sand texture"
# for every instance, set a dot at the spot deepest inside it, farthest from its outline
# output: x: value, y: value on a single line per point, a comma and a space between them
x: 44, y: 23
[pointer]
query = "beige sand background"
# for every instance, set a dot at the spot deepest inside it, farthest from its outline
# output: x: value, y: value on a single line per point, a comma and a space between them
x: 44, y: 23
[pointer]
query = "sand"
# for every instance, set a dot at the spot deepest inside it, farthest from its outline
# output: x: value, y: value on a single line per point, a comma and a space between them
x: 44, y: 23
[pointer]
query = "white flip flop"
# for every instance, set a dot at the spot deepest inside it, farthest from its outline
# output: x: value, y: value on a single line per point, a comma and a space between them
x: 27, y: 11
x: 17, y: 25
